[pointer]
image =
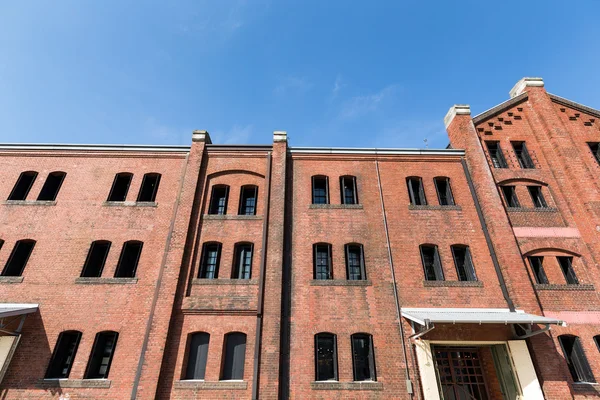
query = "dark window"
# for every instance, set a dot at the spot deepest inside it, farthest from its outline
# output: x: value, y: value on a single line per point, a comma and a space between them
x: 235, y: 356
x: 23, y: 185
x: 63, y: 355
x: 102, y: 354
x: 416, y: 192
x: 442, y: 185
x: 149, y: 187
x: 537, y: 265
x: 510, y: 195
x: 566, y: 265
x: 597, y: 341
x: 576, y: 359
x: 243, y: 261
x: 522, y: 155
x: 18, y: 258
x: 322, y: 261
x: 326, y: 368
x: 537, y: 197
x: 1, y: 243
x: 595, y: 148
x: 218, y: 200
x: 248, y: 197
x: 355, y: 262
x: 348, y: 186
x: 197, y: 355
x: 320, y: 190
x: 496, y: 155
x: 363, y: 359
x: 463, y: 263
x: 128, y: 261
x: 52, y: 186
x: 211, y: 255
x: 94, y: 263
x: 120, y: 187
x: 431, y: 263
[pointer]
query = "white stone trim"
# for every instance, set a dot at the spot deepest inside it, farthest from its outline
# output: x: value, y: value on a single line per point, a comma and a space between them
x: 457, y: 109
x: 523, y: 83
x: 201, y: 136
x: 279, y: 136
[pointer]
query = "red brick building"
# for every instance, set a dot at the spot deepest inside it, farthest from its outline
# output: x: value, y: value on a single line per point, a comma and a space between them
x: 276, y: 272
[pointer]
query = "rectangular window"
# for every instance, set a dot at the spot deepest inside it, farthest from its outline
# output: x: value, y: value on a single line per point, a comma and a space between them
x: 348, y: 186
x: 248, y: 200
x: 102, y: 354
x: 23, y: 186
x: 211, y: 254
x: 149, y: 188
x: 510, y: 195
x: 595, y: 149
x: 18, y: 258
x: 432, y: 264
x: 94, y: 263
x: 243, y: 262
x: 496, y: 155
x: 442, y: 186
x: 128, y: 261
x: 322, y: 262
x: 363, y: 359
x: 576, y: 359
x: 537, y: 197
x: 537, y: 265
x: 463, y: 263
x: 197, y: 356
x: 416, y: 192
x: 320, y: 191
x: 51, y: 186
x: 326, y: 357
x: 218, y: 200
x: 522, y: 155
x: 63, y: 355
x: 120, y: 187
x: 355, y: 264
x: 566, y: 265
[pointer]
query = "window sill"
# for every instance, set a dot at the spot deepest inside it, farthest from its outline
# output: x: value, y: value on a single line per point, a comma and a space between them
x: 452, y: 283
x: 218, y: 385
x: 339, y: 282
x: 130, y: 204
x: 11, y: 279
x: 540, y: 210
x: 220, y: 281
x: 336, y: 206
x: 333, y: 385
x: 77, y: 383
x: 436, y: 208
x: 29, y: 202
x: 552, y: 286
x: 105, y: 281
x: 581, y: 387
x: 210, y: 217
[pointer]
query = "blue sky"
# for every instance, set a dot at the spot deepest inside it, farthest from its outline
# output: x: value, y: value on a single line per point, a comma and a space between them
x: 331, y: 73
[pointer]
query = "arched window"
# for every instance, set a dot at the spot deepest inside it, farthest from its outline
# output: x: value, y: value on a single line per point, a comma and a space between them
x: 463, y: 263
x: 444, y: 191
x: 576, y: 359
x: 210, y: 259
x: 52, y: 186
x: 242, y: 268
x: 363, y: 358
x: 322, y: 268
x: 348, y: 189
x: 326, y: 368
x: 416, y: 193
x: 355, y: 262
x: 432, y: 264
x: 197, y: 355
x: 128, y: 261
x: 149, y: 187
x: 63, y: 355
x: 218, y: 200
x: 18, y: 258
x: 248, y: 198
x: 120, y: 187
x: 23, y: 185
x: 94, y: 263
x: 234, y: 357
x: 102, y: 355
x: 320, y: 189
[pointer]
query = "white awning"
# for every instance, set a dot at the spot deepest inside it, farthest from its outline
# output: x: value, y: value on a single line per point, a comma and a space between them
x: 425, y: 316
x: 14, y: 309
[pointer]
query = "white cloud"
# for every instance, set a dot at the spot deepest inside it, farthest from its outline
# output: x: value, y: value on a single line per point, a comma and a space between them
x: 360, y: 105
x: 292, y: 84
x: 337, y: 86
x: 165, y: 133
x: 236, y: 135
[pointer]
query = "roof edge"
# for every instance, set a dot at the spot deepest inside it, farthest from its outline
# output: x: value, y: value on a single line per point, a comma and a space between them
x: 499, y: 108
x: 575, y: 105
x: 95, y: 147
x: 376, y: 151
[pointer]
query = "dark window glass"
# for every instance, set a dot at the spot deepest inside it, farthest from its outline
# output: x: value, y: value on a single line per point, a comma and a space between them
x: 149, y: 187
x: 197, y: 355
x: 51, y: 186
x: 522, y: 155
x: 416, y: 192
x: 1, y: 243
x: 363, y: 359
x: 496, y: 155
x: 510, y: 195
x: 576, y: 359
x: 235, y: 356
x: 537, y: 197
x: 348, y: 186
x: 355, y: 262
x: 248, y: 198
x: 320, y: 191
x: 218, y: 200
x: 322, y: 261
x: 63, y: 355
x: 94, y: 263
x: 463, y: 263
x: 18, y: 258
x: 23, y: 185
x: 211, y: 254
x: 325, y: 357
x: 102, y: 354
x: 431, y: 263
x: 566, y: 265
x: 595, y: 149
x: 537, y: 265
x: 442, y: 185
x: 120, y: 187
x: 597, y: 341
x: 243, y: 261
x: 128, y: 261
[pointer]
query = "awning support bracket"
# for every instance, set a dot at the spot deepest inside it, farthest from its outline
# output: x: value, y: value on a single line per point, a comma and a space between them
x: 428, y: 327
x: 528, y: 331
x: 4, y: 324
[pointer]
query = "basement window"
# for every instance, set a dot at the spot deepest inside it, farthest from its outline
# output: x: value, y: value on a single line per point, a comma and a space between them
x: 355, y: 262
x: 211, y: 255
x: 94, y: 263
x: 322, y: 261
x: 242, y: 268
x: 566, y: 266
x: 363, y: 359
x: 235, y: 356
x: 444, y: 192
x: 128, y: 261
x: 120, y: 187
x: 63, y: 355
x: 595, y: 149
x: 248, y: 196
x: 218, y: 200
x: 348, y: 186
x: 149, y: 188
x: 416, y: 192
x: 18, y: 258
x: 326, y: 368
x: 52, y: 186
x: 102, y: 355
x: 463, y: 262
x: 576, y: 360
x: 522, y: 155
x: 510, y: 195
x: 320, y: 190
x: 432, y: 265
x: 537, y: 265
x: 23, y: 185
x: 197, y: 355
x: 537, y: 197
x: 496, y: 155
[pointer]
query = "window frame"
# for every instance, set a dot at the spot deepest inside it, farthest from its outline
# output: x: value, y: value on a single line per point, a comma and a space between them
x: 212, y: 206
x: 147, y: 176
x: 13, y: 254
x: 537, y: 196
x: 522, y: 154
x: 569, y: 275
x: 422, y: 199
x: 325, y: 179
x: 242, y: 209
x: 60, y: 175
x: 202, y: 272
x: 127, y: 187
x: 448, y: 195
x: 354, y: 189
x: 237, y: 272
x: 334, y: 356
x: 513, y: 198
x: 118, y: 270
x: 316, y: 274
x: 33, y: 175
x: 91, y: 359
x: 232, y: 359
x: 468, y: 267
x: 596, y: 153
x: 52, y: 367
x: 102, y: 264
x: 538, y: 273
x: 438, y: 270
x: 370, y: 357
x: 496, y: 157
x: 200, y: 359
x: 578, y: 372
x: 347, y: 248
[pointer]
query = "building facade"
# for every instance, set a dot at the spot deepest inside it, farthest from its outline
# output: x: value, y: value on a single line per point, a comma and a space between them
x: 278, y: 272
